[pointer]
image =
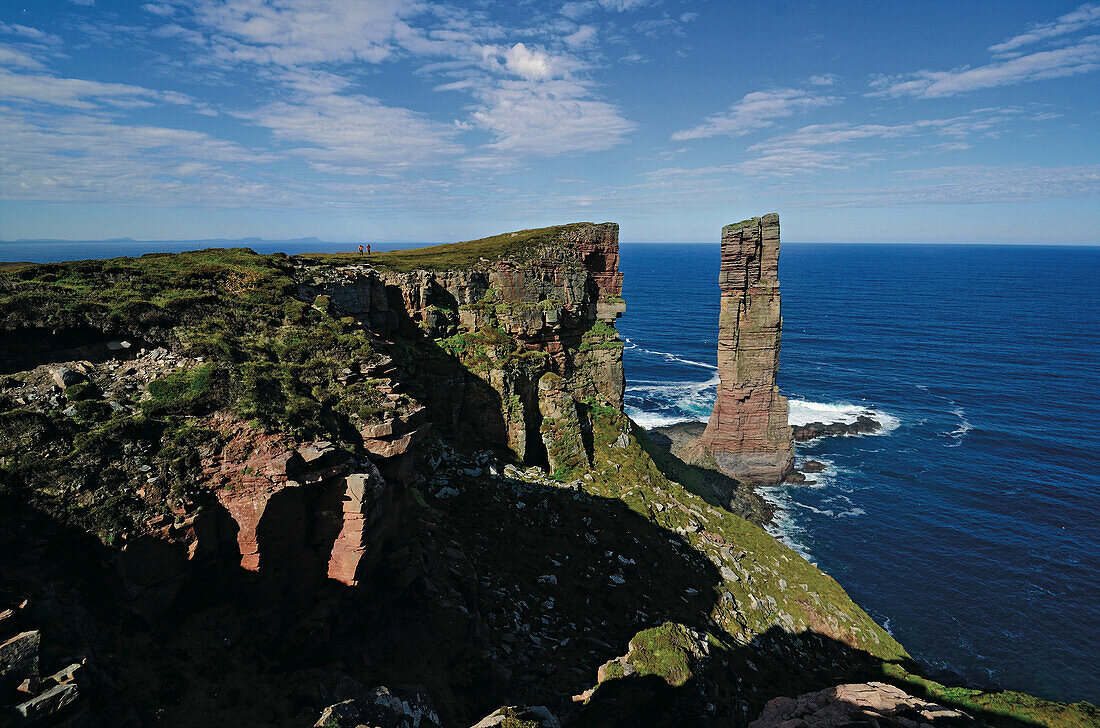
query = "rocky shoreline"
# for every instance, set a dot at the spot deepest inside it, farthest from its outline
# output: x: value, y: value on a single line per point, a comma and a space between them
x: 680, y: 434
x: 863, y: 425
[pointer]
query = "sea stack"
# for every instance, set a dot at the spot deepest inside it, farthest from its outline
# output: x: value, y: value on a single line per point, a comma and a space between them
x: 748, y: 435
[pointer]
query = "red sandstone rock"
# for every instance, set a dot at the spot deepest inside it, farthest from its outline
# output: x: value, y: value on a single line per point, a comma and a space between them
x: 748, y: 435
x: 362, y: 501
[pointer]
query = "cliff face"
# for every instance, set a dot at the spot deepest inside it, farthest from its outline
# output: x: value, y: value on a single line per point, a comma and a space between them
x: 494, y: 330
x: 748, y: 435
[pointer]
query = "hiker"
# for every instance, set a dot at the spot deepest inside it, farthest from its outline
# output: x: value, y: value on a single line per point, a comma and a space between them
x: 360, y: 250
x: 368, y: 248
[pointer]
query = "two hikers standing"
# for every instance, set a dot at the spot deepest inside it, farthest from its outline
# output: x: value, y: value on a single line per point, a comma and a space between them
x: 361, y: 249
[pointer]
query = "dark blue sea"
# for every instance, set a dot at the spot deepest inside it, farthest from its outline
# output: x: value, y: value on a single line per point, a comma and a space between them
x: 970, y: 527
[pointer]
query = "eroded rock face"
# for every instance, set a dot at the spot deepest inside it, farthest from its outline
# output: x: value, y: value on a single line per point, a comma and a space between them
x: 872, y: 703
x: 748, y: 435
x: 558, y: 303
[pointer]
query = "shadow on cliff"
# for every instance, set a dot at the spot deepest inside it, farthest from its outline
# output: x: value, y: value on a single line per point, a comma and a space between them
x: 567, y: 579
x: 500, y: 597
x: 463, y: 406
x: 732, y: 687
x: 717, y: 489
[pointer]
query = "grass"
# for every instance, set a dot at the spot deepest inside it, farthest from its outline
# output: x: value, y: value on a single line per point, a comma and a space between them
x: 999, y: 708
x: 268, y: 357
x: 664, y: 651
x: 466, y: 254
x: 743, y: 223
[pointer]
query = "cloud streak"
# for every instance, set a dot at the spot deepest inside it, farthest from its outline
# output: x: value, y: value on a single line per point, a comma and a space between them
x: 756, y: 110
x: 1082, y: 57
x: 1086, y: 16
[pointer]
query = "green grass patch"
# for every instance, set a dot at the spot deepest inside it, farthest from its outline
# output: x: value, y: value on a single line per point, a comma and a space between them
x: 516, y: 245
x: 664, y: 651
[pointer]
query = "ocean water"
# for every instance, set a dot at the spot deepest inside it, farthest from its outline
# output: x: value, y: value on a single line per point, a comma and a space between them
x: 970, y: 527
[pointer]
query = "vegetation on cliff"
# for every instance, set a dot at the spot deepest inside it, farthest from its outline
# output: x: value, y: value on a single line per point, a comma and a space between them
x: 520, y: 245
x: 241, y: 342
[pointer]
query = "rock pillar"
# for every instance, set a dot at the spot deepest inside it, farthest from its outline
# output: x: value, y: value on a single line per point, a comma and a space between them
x: 748, y: 435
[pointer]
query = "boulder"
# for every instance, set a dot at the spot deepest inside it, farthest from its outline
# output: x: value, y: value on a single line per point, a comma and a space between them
x: 65, y: 377
x: 538, y: 715
x: 49, y: 702
x: 382, y: 708
x: 19, y: 655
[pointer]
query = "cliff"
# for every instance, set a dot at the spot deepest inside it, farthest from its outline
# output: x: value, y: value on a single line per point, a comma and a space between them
x: 524, y: 306
x: 748, y: 436
x: 256, y: 490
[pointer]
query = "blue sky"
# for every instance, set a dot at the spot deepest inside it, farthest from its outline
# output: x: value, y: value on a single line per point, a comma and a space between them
x: 421, y: 121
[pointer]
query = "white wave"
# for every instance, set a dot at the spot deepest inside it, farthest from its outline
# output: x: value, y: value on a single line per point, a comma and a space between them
x: 783, y: 526
x: 959, y: 433
x: 803, y: 412
x: 692, y: 400
x: 667, y: 356
x: 649, y: 420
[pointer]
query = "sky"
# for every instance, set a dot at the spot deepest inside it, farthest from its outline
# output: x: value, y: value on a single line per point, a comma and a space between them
x: 421, y: 121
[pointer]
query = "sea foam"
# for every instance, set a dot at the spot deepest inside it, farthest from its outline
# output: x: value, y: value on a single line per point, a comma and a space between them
x: 803, y: 412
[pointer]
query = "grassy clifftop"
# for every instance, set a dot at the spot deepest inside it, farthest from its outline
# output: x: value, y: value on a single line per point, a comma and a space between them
x: 206, y: 332
x: 517, y: 245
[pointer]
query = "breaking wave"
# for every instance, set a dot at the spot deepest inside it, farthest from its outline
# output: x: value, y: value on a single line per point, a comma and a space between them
x: 803, y: 412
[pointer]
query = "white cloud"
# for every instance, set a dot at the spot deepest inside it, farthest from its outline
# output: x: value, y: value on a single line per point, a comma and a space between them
x: 529, y: 63
x: 74, y: 157
x: 78, y: 93
x: 1010, y: 66
x: 583, y: 35
x: 356, y: 134
x: 549, y: 118
x: 1085, y: 16
x: 172, y: 30
x: 11, y: 57
x: 623, y: 5
x: 967, y: 185
x: 825, y: 79
x: 1082, y: 57
x: 294, y: 32
x: 33, y: 34
x: 162, y: 9
x: 756, y: 110
x: 579, y: 9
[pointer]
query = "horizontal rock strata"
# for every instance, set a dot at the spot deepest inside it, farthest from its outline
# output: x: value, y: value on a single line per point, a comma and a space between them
x: 748, y: 435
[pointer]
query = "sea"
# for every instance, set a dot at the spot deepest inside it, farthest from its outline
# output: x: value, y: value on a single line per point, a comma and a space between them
x: 969, y: 526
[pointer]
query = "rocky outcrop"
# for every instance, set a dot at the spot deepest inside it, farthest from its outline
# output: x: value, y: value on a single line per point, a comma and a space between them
x: 863, y: 425
x: 747, y: 435
x: 874, y: 704
x: 381, y: 708
x: 22, y: 689
x: 527, y: 717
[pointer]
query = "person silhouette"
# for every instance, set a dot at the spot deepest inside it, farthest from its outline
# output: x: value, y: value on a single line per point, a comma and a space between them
x: 360, y: 250
x: 368, y: 248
